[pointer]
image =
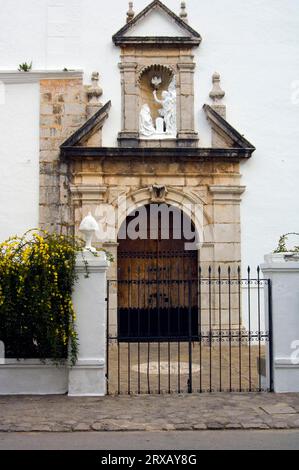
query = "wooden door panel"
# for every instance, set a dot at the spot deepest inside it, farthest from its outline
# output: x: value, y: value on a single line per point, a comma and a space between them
x: 156, y: 277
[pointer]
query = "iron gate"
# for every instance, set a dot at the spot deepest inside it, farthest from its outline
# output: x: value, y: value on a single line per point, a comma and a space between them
x: 173, y: 335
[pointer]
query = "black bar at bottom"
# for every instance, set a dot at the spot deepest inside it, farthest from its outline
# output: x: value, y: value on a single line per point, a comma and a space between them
x: 124, y: 458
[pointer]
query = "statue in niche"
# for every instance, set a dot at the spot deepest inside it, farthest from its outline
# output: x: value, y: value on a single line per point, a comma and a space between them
x: 168, y: 111
x: 146, y: 125
x: 166, y: 124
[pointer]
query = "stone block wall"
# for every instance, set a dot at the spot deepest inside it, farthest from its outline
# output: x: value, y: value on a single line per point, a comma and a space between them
x: 62, y: 111
x: 97, y: 183
x: 69, y: 190
x: 214, y: 185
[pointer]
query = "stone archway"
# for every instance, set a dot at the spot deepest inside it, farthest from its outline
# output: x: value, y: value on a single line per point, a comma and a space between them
x: 191, y: 205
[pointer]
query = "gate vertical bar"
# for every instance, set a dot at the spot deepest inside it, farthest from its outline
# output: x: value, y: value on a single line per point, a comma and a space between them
x: 118, y: 368
x: 249, y: 328
x: 107, y: 339
x: 138, y: 332
x: 240, y: 331
x: 129, y: 329
x: 168, y: 324
x: 149, y: 329
x: 190, y: 337
x: 259, y: 327
x: 118, y: 283
x: 179, y: 331
x: 230, y: 328
x: 220, y: 329
x: 200, y: 329
x: 210, y: 326
x: 159, y: 327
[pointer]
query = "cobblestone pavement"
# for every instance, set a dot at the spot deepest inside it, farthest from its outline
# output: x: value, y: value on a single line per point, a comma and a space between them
x: 150, y: 413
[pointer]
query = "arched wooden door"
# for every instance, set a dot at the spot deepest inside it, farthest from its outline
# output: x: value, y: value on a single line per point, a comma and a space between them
x: 157, y: 276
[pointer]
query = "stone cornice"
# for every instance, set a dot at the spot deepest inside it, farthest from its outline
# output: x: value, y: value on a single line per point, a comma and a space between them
x: 186, y: 66
x: 90, y: 263
x: 285, y: 363
x: 289, y: 266
x: 226, y: 189
x: 34, y: 76
x: 88, y: 192
x: 128, y: 66
x: 223, y: 194
x: 88, y: 189
x: 156, y: 40
x: 184, y: 153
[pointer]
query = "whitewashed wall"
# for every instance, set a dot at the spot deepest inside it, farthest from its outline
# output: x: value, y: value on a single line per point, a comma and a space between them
x: 254, y: 44
x: 19, y: 154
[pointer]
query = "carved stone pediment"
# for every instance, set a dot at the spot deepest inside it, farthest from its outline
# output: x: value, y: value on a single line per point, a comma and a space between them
x: 169, y: 28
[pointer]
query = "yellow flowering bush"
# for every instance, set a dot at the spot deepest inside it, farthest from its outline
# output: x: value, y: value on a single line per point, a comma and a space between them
x: 37, y: 275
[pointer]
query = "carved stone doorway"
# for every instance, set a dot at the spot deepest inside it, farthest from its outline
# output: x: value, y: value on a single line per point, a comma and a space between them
x: 157, y: 276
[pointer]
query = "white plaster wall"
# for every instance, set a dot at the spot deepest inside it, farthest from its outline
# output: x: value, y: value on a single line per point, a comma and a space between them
x: 19, y: 154
x: 254, y: 44
x: 156, y: 21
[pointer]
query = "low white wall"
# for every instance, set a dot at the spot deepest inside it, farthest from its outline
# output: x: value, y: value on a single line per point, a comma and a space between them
x: 88, y: 376
x: 31, y: 377
x: 284, y: 277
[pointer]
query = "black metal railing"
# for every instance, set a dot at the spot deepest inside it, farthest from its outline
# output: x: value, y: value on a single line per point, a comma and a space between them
x: 208, y: 333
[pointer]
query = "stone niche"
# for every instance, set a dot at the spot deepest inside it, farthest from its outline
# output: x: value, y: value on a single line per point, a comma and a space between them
x: 137, y: 90
x: 170, y: 60
x: 146, y: 87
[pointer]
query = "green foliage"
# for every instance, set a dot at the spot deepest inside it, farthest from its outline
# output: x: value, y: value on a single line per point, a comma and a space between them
x: 282, y: 244
x: 37, y: 275
x: 25, y: 67
x: 109, y: 255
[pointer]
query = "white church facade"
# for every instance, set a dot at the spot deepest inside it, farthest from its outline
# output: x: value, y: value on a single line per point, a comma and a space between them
x: 172, y: 127
x: 60, y: 36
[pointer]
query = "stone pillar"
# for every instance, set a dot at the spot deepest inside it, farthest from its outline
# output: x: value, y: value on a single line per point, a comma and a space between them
x: 283, y: 274
x: 223, y: 236
x: 87, y: 377
x: 87, y: 189
x: 186, y: 132
x: 216, y: 95
x: 226, y: 225
x: 112, y: 277
x: 129, y: 135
